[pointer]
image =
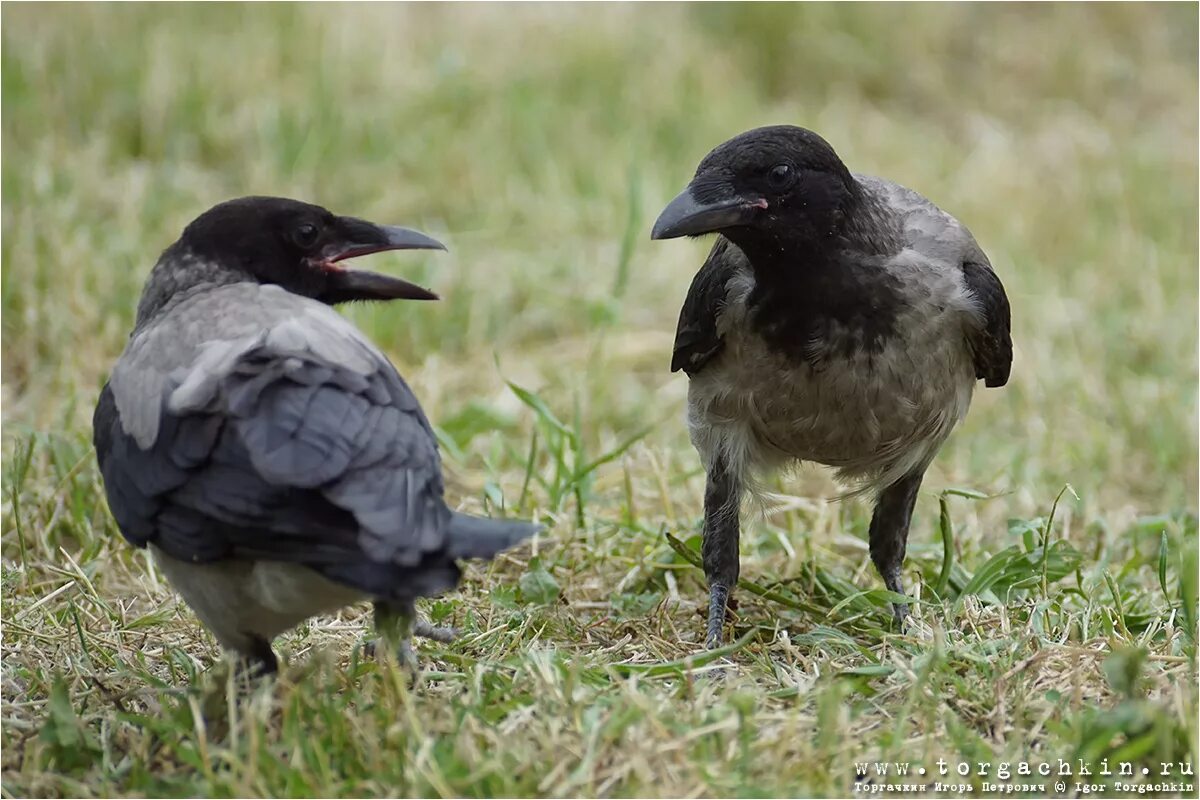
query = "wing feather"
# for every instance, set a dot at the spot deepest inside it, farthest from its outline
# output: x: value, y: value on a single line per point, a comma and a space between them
x: 697, y: 339
x: 991, y: 343
x: 297, y: 442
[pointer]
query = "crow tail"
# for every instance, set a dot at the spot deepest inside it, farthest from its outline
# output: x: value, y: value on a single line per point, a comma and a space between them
x: 481, y: 537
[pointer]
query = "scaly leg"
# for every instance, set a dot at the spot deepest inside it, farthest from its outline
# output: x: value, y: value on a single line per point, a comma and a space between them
x: 722, y: 502
x: 889, y: 535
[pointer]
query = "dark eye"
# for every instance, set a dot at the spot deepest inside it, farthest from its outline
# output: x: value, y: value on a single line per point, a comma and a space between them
x: 780, y: 176
x: 306, y: 234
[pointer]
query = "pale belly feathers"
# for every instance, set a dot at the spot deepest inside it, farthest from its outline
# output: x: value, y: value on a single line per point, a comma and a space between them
x: 874, y: 414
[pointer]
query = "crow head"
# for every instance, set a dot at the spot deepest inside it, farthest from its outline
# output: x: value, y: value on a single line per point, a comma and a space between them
x: 300, y: 247
x: 766, y: 189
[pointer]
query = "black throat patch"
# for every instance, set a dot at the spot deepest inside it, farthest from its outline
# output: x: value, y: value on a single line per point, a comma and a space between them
x: 824, y: 306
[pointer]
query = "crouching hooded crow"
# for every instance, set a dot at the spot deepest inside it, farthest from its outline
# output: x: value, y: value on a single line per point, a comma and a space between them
x: 269, y: 455
x: 840, y: 319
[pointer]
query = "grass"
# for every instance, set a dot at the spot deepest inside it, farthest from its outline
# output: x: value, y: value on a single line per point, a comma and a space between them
x: 540, y: 142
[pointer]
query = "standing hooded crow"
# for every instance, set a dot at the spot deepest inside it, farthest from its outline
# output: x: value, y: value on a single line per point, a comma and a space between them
x: 269, y: 455
x: 840, y: 319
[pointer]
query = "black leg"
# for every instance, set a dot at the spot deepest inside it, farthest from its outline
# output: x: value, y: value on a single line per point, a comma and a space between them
x: 394, y: 624
x: 722, y: 503
x: 259, y: 659
x: 889, y: 534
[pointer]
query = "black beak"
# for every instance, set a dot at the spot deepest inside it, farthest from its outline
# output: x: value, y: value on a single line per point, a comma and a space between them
x: 686, y: 216
x: 360, y: 238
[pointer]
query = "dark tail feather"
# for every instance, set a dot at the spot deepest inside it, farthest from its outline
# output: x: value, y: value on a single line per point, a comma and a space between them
x: 480, y: 537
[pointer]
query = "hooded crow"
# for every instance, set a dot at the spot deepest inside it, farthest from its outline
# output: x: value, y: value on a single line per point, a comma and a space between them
x: 839, y: 319
x: 269, y: 455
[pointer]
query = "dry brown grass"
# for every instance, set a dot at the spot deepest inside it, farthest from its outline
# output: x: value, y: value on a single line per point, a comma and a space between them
x: 539, y: 142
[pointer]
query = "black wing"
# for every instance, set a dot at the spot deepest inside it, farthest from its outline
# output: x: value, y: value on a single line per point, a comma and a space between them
x: 696, y: 339
x: 293, y: 459
x: 991, y: 344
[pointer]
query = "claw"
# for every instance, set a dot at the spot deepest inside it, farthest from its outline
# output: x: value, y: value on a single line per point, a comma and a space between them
x: 398, y: 625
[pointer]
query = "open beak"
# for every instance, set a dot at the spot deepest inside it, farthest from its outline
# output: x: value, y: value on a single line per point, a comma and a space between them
x: 687, y: 216
x: 360, y: 238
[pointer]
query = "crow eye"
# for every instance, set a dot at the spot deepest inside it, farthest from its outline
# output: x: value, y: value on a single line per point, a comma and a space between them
x: 306, y: 234
x: 780, y: 176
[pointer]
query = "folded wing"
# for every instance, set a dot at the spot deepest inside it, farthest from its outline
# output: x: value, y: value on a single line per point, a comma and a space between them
x: 297, y: 443
x: 697, y: 340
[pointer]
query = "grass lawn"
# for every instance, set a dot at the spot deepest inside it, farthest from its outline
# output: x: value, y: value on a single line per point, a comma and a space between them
x: 1058, y: 621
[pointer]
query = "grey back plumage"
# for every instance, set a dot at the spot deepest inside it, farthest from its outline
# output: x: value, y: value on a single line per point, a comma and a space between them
x: 941, y: 239
x: 244, y: 421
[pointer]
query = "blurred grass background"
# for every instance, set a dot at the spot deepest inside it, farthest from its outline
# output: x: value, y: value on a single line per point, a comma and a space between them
x: 539, y: 142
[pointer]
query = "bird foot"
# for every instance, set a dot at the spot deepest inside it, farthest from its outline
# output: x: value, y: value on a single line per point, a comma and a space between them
x: 258, y: 660
x: 408, y: 658
x: 405, y: 655
x: 714, y: 638
x: 716, y: 671
x: 718, y: 598
x: 435, y: 633
x: 404, y: 650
